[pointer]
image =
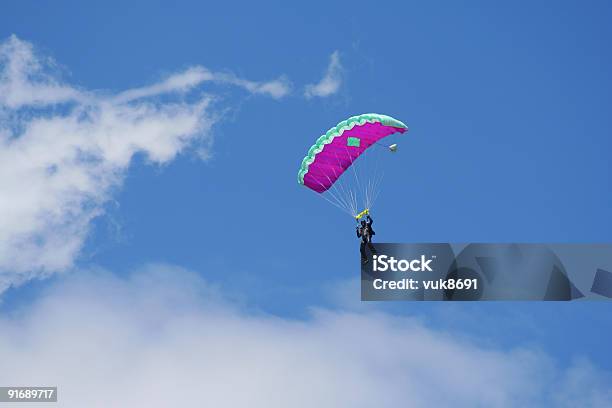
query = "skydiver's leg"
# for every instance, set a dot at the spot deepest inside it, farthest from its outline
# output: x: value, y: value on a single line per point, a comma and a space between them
x: 372, y: 249
x: 362, y: 251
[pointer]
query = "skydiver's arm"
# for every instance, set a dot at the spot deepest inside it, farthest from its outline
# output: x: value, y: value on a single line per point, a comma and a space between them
x: 370, y: 220
x: 358, y: 233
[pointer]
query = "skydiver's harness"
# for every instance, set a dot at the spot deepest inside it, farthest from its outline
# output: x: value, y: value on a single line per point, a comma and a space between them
x: 364, y: 232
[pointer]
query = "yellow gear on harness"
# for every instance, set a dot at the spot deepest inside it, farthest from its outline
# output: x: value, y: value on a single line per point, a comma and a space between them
x: 362, y: 214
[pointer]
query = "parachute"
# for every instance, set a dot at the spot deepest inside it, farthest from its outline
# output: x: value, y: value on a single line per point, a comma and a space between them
x: 349, y: 144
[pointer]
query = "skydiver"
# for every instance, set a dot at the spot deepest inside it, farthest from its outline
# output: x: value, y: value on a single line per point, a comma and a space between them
x: 365, y: 232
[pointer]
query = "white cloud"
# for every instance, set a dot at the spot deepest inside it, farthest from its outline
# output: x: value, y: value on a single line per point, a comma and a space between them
x: 23, y: 80
x: 331, y: 81
x: 64, y: 150
x: 194, y: 76
x: 181, y: 82
x: 277, y: 88
x: 163, y: 337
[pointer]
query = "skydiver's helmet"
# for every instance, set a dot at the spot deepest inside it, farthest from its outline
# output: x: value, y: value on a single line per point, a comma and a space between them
x: 363, y: 223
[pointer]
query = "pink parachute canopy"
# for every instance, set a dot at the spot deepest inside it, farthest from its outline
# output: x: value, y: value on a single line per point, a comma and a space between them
x: 339, y: 147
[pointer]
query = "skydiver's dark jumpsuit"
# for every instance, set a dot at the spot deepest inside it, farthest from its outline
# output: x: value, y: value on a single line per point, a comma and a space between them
x: 365, y: 232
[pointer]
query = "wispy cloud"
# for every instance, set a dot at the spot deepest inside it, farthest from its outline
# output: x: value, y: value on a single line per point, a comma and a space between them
x: 64, y: 150
x: 331, y: 81
x: 277, y: 88
x: 181, y: 82
x: 164, y: 326
x: 23, y: 80
x: 195, y: 76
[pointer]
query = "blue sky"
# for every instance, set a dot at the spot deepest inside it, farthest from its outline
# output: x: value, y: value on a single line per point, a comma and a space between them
x: 508, y: 107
